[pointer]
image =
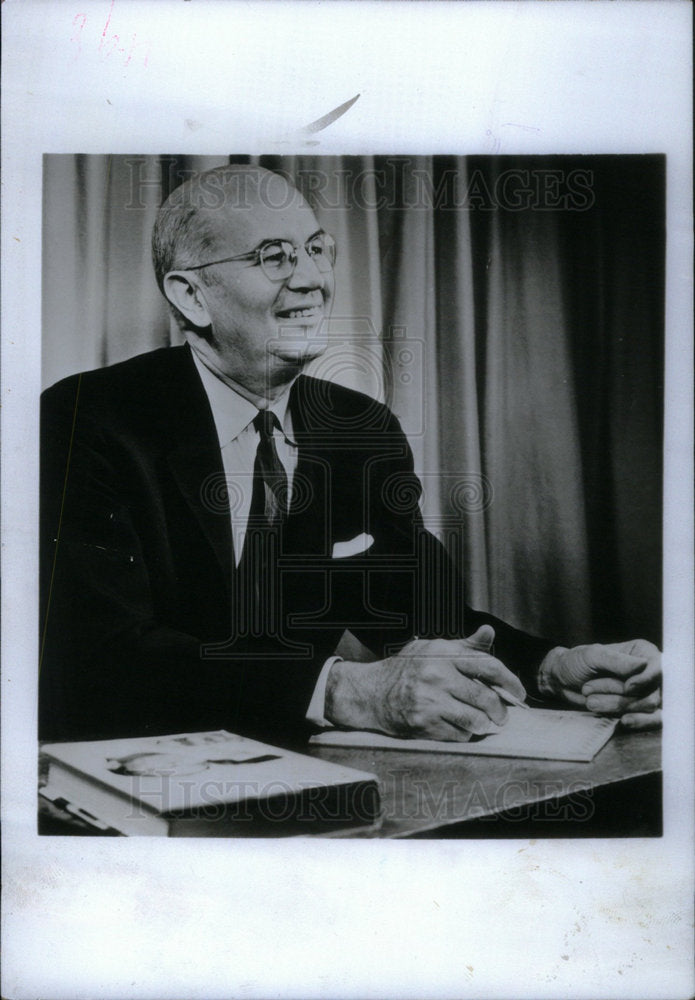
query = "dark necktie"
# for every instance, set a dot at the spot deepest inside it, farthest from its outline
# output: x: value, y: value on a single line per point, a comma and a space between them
x: 269, y: 499
x: 257, y: 574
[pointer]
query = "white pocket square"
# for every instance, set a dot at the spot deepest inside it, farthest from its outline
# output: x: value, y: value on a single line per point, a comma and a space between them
x: 360, y: 543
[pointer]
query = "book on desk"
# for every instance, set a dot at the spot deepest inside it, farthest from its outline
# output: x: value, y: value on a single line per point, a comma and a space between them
x: 213, y: 784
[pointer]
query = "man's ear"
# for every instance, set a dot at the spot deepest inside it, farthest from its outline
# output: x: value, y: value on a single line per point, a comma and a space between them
x: 183, y: 291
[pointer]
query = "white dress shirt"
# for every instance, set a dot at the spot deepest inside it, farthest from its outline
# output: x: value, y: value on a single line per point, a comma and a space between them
x: 234, y: 415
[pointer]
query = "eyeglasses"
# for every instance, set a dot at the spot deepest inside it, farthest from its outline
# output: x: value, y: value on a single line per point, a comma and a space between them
x: 278, y: 258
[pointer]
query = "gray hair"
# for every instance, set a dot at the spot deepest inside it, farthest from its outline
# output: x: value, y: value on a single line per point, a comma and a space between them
x: 183, y: 228
x: 184, y: 232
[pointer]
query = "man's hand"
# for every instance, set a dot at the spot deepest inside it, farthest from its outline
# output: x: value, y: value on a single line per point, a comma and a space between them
x: 623, y: 678
x: 430, y: 689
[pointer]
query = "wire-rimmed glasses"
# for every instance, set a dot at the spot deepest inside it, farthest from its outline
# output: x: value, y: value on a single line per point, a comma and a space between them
x: 278, y: 258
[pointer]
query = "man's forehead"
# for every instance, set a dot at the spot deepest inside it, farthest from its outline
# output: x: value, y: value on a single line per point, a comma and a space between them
x: 281, y: 213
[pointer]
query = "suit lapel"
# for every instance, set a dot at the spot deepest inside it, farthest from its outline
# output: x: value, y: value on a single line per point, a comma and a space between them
x: 199, y: 475
x: 308, y: 528
x: 195, y: 460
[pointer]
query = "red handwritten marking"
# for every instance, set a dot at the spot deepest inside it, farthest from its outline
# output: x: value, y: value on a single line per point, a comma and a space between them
x: 82, y: 18
x: 109, y: 42
x: 106, y: 26
x: 116, y: 47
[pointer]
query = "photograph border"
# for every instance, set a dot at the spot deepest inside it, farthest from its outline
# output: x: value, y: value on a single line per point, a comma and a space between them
x: 343, y: 919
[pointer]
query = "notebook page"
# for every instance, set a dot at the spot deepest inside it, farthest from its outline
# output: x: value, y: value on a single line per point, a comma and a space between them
x: 539, y: 733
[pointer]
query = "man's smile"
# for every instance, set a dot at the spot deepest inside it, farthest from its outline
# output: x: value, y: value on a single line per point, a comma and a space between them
x: 300, y: 311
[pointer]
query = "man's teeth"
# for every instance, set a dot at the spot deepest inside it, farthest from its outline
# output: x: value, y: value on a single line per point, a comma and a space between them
x: 297, y: 313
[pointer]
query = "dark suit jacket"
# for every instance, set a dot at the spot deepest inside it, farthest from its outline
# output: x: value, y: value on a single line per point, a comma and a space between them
x: 141, y: 627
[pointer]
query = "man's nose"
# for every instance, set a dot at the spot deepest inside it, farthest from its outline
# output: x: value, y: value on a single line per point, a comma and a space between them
x: 305, y: 274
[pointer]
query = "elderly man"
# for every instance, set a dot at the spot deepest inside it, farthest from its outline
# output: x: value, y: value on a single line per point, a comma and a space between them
x: 227, y: 542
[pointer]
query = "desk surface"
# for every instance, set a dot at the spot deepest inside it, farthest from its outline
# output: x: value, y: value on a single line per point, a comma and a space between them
x: 616, y: 794
x: 448, y: 795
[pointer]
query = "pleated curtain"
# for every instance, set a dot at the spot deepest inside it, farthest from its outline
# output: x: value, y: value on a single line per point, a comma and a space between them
x: 522, y: 351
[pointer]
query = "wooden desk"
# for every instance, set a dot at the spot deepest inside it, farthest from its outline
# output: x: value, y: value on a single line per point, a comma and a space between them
x: 425, y: 795
x: 618, y: 794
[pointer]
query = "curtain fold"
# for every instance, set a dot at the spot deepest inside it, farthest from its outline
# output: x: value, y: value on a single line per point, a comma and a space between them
x: 470, y: 492
x: 530, y: 438
x: 521, y: 348
x: 408, y: 271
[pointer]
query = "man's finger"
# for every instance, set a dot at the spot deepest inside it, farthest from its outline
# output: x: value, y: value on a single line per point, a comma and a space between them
x: 636, y: 647
x: 471, y: 692
x: 642, y: 720
x: 650, y: 677
x: 490, y: 670
x: 607, y: 704
x: 573, y: 697
x: 602, y: 659
x: 650, y: 703
x: 440, y: 729
x: 468, y: 719
x: 482, y: 638
x: 603, y: 685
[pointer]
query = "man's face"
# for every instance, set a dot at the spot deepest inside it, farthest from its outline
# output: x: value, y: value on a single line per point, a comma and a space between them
x: 264, y: 331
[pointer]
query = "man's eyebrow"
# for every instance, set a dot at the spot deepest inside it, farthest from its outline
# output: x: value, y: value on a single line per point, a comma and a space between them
x: 286, y: 239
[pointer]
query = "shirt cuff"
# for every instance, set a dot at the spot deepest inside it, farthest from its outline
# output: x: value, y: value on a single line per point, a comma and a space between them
x: 318, y: 699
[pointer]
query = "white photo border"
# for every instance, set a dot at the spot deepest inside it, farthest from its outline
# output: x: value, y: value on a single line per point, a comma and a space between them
x: 136, y: 918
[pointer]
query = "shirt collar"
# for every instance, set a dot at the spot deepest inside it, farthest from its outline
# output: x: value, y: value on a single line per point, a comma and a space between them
x: 232, y: 412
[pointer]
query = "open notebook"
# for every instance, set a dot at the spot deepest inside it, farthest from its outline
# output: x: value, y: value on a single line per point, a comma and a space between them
x: 539, y: 733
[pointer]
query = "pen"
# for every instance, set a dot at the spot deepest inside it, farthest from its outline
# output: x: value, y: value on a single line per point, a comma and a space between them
x: 505, y: 695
